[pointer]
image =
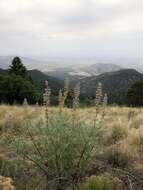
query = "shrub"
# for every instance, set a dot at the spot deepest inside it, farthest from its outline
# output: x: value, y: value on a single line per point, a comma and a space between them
x: 61, y: 149
x: 103, y: 182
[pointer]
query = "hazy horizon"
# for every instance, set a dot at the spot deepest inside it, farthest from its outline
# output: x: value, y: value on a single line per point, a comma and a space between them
x: 67, y: 61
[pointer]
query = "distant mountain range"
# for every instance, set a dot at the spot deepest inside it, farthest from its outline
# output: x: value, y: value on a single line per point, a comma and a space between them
x: 115, y: 80
x: 62, y: 70
x: 100, y: 68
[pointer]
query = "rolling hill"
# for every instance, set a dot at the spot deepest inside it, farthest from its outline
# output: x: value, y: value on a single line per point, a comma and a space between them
x: 115, y: 84
x: 38, y: 78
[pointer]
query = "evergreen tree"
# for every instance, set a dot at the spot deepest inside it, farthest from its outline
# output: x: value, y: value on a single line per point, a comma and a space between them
x: 18, y: 68
x: 135, y: 94
x: 17, y: 84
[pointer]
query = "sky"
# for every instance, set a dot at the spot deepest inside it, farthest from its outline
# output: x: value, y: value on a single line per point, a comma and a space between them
x: 72, y: 28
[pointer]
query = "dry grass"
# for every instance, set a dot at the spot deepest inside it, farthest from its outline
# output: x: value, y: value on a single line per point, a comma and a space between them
x: 123, y: 130
x: 119, y: 128
x: 6, y: 183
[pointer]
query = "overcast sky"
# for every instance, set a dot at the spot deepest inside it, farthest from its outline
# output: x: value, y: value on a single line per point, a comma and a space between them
x: 82, y: 28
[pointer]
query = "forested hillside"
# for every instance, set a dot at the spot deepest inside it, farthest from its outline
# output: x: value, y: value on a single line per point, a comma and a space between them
x: 115, y: 84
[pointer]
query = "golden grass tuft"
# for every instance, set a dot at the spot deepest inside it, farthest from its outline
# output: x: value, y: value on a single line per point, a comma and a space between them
x: 6, y: 183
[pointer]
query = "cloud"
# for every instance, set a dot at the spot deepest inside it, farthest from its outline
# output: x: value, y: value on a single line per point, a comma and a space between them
x: 65, y: 26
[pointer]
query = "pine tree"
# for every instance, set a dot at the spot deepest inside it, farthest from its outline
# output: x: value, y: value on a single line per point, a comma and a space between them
x: 135, y: 94
x: 18, y: 68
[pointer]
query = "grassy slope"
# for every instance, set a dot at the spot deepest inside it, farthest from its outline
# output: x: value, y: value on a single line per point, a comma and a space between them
x: 123, y: 130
